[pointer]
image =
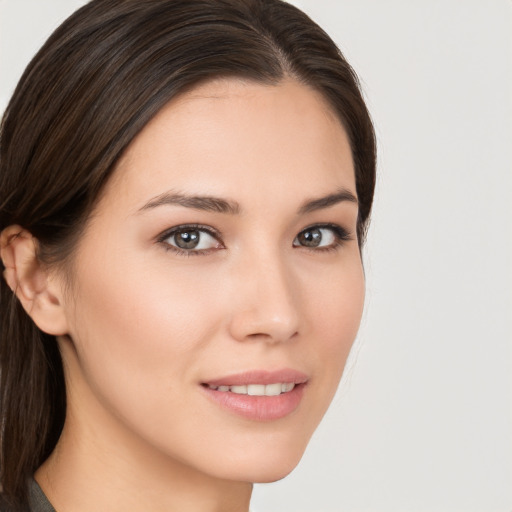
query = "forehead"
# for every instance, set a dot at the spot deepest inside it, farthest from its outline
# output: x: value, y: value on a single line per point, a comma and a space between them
x: 234, y: 137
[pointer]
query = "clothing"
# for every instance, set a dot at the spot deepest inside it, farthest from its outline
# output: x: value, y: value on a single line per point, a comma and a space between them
x: 38, y: 502
x: 37, y: 499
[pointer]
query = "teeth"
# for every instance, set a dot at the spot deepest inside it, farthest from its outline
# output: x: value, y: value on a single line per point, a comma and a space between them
x: 257, y: 389
x: 273, y: 389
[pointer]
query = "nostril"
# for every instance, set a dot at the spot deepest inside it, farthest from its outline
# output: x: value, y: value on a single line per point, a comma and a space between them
x: 259, y: 335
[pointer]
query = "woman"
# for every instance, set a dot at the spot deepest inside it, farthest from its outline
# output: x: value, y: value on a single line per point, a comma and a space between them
x: 185, y: 190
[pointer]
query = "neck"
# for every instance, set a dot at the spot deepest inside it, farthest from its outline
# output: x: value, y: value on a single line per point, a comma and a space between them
x: 99, y: 464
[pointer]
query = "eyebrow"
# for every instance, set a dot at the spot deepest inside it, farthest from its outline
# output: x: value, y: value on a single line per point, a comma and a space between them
x: 325, y: 202
x: 220, y: 205
x: 206, y: 203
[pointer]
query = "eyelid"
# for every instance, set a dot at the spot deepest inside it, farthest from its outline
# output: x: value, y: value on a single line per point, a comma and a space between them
x: 341, y: 234
x: 183, y: 227
x: 162, y: 237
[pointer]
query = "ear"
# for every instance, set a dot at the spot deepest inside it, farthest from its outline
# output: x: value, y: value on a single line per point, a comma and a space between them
x: 39, y: 292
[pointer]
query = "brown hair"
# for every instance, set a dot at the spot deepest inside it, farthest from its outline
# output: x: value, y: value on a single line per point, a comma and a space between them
x: 97, y: 81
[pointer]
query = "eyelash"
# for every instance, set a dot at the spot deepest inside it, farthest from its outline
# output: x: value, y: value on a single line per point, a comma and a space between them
x: 189, y: 227
x: 341, y: 236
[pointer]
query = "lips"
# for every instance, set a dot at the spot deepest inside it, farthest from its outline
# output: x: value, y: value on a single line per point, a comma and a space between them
x: 258, y: 395
x: 286, y: 375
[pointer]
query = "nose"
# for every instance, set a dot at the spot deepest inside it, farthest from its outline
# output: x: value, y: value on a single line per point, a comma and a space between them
x: 264, y: 302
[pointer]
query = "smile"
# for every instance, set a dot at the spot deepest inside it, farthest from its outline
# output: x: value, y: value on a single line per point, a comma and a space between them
x: 256, y: 389
x: 258, y: 395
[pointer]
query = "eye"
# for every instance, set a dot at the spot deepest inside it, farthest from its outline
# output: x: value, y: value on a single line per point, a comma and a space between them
x: 321, y: 237
x: 191, y: 239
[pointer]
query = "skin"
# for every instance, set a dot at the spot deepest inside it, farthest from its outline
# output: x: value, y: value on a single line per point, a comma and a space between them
x: 142, y: 326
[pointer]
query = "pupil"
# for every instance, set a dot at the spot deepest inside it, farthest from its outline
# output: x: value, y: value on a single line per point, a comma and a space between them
x: 310, y: 238
x: 187, y: 239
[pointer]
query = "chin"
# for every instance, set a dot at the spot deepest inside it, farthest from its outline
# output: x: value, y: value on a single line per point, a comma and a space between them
x: 267, y: 474
x: 272, y: 475
x: 264, y: 465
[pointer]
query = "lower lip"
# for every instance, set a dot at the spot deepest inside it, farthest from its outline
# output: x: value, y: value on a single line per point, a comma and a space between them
x: 258, y: 408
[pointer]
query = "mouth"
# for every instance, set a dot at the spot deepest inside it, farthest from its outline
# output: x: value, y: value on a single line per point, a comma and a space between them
x: 258, y: 395
x: 274, y: 389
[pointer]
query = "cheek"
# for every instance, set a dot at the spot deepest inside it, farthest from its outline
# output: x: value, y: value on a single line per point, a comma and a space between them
x: 336, y: 300
x: 142, y: 324
x: 140, y: 340
x: 334, y: 312
x: 341, y: 311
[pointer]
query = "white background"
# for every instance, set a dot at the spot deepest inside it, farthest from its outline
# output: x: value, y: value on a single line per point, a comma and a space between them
x: 423, y: 419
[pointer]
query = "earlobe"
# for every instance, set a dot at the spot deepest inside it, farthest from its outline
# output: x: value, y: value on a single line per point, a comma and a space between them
x: 40, y: 296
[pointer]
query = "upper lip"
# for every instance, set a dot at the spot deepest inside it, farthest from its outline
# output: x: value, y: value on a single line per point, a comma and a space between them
x: 284, y: 375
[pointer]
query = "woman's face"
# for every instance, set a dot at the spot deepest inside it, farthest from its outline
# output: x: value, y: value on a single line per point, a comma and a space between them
x: 220, y: 266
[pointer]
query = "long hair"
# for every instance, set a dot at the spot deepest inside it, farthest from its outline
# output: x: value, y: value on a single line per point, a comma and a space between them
x: 97, y: 81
